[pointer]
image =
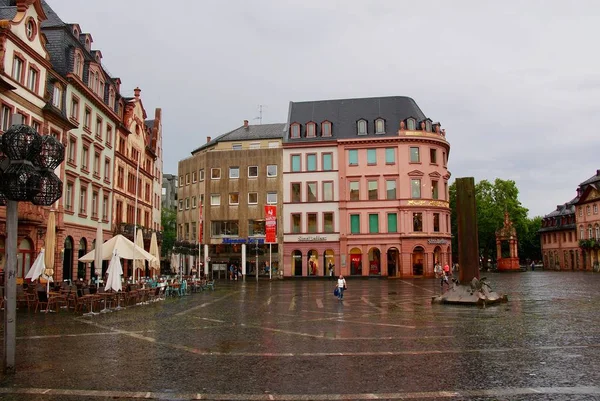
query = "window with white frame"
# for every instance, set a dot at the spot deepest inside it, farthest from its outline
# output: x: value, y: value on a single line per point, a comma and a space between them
x: 255, y: 145
x: 252, y: 171
x: 272, y: 170
x: 215, y: 199
x: 32, y: 79
x: 252, y: 198
x: 6, y: 118
x: 201, y: 174
x: 361, y: 127
x: 234, y: 172
x: 234, y: 198
x: 187, y: 203
x: 215, y: 173
x: 271, y: 198
x: 57, y: 97
x: 236, y: 146
x: 380, y: 126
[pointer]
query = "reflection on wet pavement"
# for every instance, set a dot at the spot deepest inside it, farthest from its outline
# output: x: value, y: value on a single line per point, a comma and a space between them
x: 294, y: 340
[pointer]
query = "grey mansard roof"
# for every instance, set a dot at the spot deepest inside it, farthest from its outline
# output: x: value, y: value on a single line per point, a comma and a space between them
x: 344, y: 113
x: 253, y: 132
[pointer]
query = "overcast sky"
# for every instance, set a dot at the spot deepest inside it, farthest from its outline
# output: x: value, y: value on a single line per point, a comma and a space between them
x: 515, y: 84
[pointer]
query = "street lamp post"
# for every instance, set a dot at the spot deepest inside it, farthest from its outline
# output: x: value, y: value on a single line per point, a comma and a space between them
x: 27, y: 164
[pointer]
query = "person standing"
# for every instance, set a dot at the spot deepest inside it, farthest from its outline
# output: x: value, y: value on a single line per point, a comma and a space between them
x: 341, y: 285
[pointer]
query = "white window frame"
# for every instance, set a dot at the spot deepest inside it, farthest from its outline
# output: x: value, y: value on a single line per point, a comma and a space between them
x: 252, y: 176
x: 255, y: 202
x: 271, y: 175
x: 238, y: 198
x: 271, y: 194
x: 232, y: 172
x: 212, y: 175
x: 215, y: 199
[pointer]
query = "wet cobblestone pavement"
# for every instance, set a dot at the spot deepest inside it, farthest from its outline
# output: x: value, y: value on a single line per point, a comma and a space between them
x: 293, y: 340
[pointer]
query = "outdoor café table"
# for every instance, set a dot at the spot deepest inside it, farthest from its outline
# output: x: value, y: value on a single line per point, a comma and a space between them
x: 108, y: 297
x: 56, y: 298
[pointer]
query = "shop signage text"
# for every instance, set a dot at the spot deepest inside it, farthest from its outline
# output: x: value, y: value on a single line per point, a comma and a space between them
x: 438, y: 241
x: 231, y: 241
x: 312, y: 238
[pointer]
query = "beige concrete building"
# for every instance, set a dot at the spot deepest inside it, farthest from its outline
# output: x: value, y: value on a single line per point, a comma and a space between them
x: 223, y: 189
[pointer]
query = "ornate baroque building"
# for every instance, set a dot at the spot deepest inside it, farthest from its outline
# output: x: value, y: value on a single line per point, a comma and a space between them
x: 35, y: 94
x: 52, y: 79
x: 570, y: 235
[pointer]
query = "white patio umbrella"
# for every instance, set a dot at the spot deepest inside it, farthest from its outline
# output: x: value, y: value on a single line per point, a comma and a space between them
x: 98, y: 253
x: 38, y: 267
x: 114, y: 274
x: 122, y: 245
x: 138, y: 262
x: 154, y: 265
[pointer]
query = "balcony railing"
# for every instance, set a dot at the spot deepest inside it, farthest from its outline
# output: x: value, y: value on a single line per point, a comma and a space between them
x: 127, y: 229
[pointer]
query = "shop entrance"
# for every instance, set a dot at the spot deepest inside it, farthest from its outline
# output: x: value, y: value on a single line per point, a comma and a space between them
x: 68, y: 259
x: 392, y: 262
x: 312, y: 267
x: 355, y: 262
x: 374, y: 262
x: 418, y: 257
x: 297, y: 263
x: 329, y: 263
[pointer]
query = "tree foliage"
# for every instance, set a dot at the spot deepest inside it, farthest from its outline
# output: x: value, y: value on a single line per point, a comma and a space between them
x: 493, y: 199
x: 169, y: 223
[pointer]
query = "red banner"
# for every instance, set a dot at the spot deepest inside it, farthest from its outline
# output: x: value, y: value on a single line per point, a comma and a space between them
x: 200, y: 224
x: 271, y: 223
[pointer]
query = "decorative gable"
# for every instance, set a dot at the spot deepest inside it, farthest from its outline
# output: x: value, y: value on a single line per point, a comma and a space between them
x: 435, y: 174
x: 416, y: 173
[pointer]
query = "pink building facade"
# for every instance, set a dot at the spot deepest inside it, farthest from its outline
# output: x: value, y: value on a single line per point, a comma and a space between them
x: 390, y: 203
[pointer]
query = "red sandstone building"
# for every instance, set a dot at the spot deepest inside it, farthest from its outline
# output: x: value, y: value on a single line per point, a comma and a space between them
x: 570, y: 236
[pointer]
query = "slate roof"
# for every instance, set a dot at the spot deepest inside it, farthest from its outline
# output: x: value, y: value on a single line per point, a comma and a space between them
x: 149, y: 124
x: 593, y: 179
x: 53, y: 18
x: 253, y: 132
x: 344, y: 113
x: 7, y: 12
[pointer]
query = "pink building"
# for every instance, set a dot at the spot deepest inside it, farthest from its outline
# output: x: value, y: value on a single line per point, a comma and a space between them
x: 389, y: 204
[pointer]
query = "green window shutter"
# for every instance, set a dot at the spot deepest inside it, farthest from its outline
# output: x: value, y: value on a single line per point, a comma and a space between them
x: 373, y: 223
x: 392, y: 222
x: 355, y: 224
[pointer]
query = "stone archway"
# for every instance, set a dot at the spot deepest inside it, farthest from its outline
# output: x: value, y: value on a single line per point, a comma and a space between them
x: 509, y: 234
x: 68, y: 259
x: 80, y: 265
x: 418, y: 260
x: 328, y: 262
x: 312, y: 263
x: 374, y: 262
x: 355, y: 262
x: 392, y: 262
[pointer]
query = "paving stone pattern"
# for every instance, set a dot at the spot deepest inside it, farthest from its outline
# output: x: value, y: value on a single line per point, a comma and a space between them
x: 293, y: 340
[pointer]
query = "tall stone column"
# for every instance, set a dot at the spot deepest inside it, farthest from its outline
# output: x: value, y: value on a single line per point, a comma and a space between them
x: 468, y: 241
x: 244, y: 260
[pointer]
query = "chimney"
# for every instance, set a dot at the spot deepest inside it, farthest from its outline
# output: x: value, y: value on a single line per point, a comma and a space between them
x: 137, y: 91
x: 246, y: 124
x: 208, y: 138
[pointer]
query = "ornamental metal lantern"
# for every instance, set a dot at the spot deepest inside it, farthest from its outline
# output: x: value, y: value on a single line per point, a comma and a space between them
x: 51, y: 154
x: 21, y: 142
x: 18, y: 181
x: 49, y: 188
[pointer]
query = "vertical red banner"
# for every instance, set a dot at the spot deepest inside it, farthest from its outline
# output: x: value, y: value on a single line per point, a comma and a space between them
x: 270, y: 224
x: 200, y: 224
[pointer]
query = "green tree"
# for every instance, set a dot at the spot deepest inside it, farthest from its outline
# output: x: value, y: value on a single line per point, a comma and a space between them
x: 493, y: 199
x: 529, y: 242
x: 169, y: 223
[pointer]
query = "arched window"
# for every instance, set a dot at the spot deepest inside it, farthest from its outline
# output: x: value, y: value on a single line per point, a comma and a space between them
x: 581, y: 232
x: 326, y: 129
x: 111, y: 98
x: 295, y: 130
x: 590, y: 236
x: 597, y: 231
x: 361, y: 127
x: 411, y: 124
x: 380, y: 126
x: 588, y: 210
x: 311, y: 130
x: 428, y: 126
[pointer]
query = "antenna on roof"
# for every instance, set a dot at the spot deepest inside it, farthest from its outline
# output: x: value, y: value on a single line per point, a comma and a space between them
x: 260, y: 113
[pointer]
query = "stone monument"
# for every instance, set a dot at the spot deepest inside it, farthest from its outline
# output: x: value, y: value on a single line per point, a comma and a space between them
x: 469, y: 289
x: 507, y: 233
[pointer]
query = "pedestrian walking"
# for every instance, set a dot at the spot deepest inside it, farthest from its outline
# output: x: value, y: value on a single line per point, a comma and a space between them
x: 439, y: 273
x: 330, y: 269
x: 341, y: 286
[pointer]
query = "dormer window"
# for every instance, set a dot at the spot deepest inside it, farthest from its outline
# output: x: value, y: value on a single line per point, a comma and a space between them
x: 78, y: 65
x: 326, y: 129
x: 361, y: 127
x: 428, y: 126
x: 57, y: 97
x: 380, y: 126
x: 311, y: 130
x: 295, y: 130
x: 75, y: 32
x: 411, y: 124
x: 111, y: 98
x: 87, y: 44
